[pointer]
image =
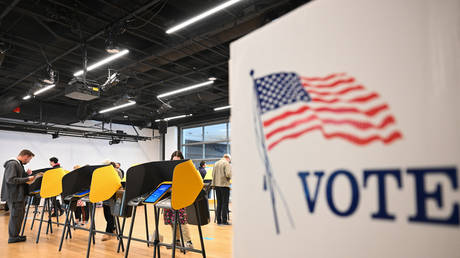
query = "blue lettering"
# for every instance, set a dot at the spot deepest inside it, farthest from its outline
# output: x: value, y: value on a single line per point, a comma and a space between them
x: 382, y: 198
x: 422, y: 195
x: 303, y: 177
x: 354, y: 190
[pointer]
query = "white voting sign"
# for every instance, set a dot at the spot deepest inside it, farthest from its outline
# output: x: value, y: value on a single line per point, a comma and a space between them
x: 345, y: 131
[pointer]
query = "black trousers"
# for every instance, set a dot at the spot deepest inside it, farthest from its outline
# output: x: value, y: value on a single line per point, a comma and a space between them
x: 17, y: 210
x: 82, y: 213
x: 223, y: 195
x: 109, y: 218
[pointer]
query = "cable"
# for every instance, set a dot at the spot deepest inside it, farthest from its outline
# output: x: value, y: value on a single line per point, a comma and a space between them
x: 151, y: 18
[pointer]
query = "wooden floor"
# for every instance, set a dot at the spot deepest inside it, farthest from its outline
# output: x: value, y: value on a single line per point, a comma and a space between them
x: 218, y: 239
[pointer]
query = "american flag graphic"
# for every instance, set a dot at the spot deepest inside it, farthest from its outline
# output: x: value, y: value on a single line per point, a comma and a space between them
x: 336, y: 106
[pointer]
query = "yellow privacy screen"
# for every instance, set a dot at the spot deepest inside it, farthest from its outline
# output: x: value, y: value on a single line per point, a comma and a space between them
x: 52, y: 183
x: 104, y: 184
x: 186, y: 186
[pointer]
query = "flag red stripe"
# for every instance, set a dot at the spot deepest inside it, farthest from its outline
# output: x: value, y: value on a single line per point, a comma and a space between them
x: 361, y: 99
x: 349, y: 137
x: 341, y: 92
x: 370, y: 112
x: 330, y: 85
x: 322, y: 78
x: 361, y: 125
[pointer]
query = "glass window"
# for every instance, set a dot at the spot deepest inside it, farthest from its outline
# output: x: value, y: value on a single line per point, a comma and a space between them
x: 193, y: 151
x: 215, y: 150
x: 192, y: 135
x: 215, y: 133
x: 206, y: 142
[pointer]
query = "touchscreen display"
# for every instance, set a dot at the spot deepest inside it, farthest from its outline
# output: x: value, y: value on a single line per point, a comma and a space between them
x: 81, y: 193
x: 158, y: 193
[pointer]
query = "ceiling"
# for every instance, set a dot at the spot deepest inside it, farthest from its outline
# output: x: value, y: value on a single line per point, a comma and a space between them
x: 35, y: 35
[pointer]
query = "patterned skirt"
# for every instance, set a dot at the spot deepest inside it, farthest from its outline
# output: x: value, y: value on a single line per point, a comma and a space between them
x: 169, y: 216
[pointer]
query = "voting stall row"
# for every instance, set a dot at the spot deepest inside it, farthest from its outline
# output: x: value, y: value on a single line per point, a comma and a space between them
x: 172, y: 185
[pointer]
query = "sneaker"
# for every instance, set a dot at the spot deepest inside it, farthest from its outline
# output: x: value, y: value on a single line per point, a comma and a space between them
x: 189, y: 244
x: 227, y: 223
x: 16, y: 240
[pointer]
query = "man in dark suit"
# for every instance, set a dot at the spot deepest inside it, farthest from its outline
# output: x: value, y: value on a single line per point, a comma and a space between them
x: 14, y: 191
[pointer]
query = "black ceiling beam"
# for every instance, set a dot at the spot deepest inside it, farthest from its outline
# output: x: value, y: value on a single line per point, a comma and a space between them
x: 151, y: 23
x: 97, y: 34
x: 8, y: 9
x: 128, y: 31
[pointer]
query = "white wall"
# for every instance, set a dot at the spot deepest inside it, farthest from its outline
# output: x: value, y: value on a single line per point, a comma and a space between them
x: 171, y: 141
x: 78, y: 151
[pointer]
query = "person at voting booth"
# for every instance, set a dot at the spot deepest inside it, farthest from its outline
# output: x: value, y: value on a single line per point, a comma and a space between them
x: 202, y: 169
x: 54, y: 163
x: 169, y: 214
x: 14, y: 191
x: 221, y: 177
x: 110, y: 228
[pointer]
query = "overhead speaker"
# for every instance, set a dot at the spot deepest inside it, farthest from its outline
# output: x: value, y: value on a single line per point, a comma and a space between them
x: 163, y: 127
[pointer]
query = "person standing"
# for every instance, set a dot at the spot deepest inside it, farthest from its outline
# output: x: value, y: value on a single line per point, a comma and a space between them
x: 14, y: 191
x: 169, y: 215
x: 202, y: 169
x: 110, y: 227
x: 54, y: 163
x: 221, y: 176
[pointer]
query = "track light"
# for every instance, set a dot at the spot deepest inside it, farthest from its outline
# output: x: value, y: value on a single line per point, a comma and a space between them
x: 222, y: 108
x: 51, y: 76
x: 201, y: 16
x: 199, y: 85
x: 27, y: 97
x: 173, y: 117
x: 129, y: 103
x: 46, y: 88
x: 111, y: 46
x: 103, y: 62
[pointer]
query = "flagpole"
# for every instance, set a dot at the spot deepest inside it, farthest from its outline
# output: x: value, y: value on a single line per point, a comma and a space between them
x: 264, y: 155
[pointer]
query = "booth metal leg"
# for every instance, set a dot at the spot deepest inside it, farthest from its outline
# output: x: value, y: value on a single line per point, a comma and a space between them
x: 41, y: 221
x: 130, y: 232
x: 157, y: 234
x: 176, y: 215
x: 91, y: 231
x: 146, y: 226
x: 56, y: 212
x: 215, y: 208
x: 50, y: 222
x: 122, y: 231
x: 197, y: 211
x: 181, y: 237
x: 119, y: 235
x: 69, y: 231
x: 66, y: 226
x: 27, y: 213
x: 35, y: 215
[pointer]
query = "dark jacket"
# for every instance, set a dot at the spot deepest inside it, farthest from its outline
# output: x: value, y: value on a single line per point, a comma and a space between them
x: 202, y: 172
x: 14, y: 187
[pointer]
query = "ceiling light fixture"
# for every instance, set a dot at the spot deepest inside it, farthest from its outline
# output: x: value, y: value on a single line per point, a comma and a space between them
x: 222, y: 108
x: 103, y: 62
x: 26, y: 97
x: 174, y: 92
x: 201, y: 16
x: 173, y: 117
x: 40, y: 91
x: 212, y: 78
x: 129, y: 103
